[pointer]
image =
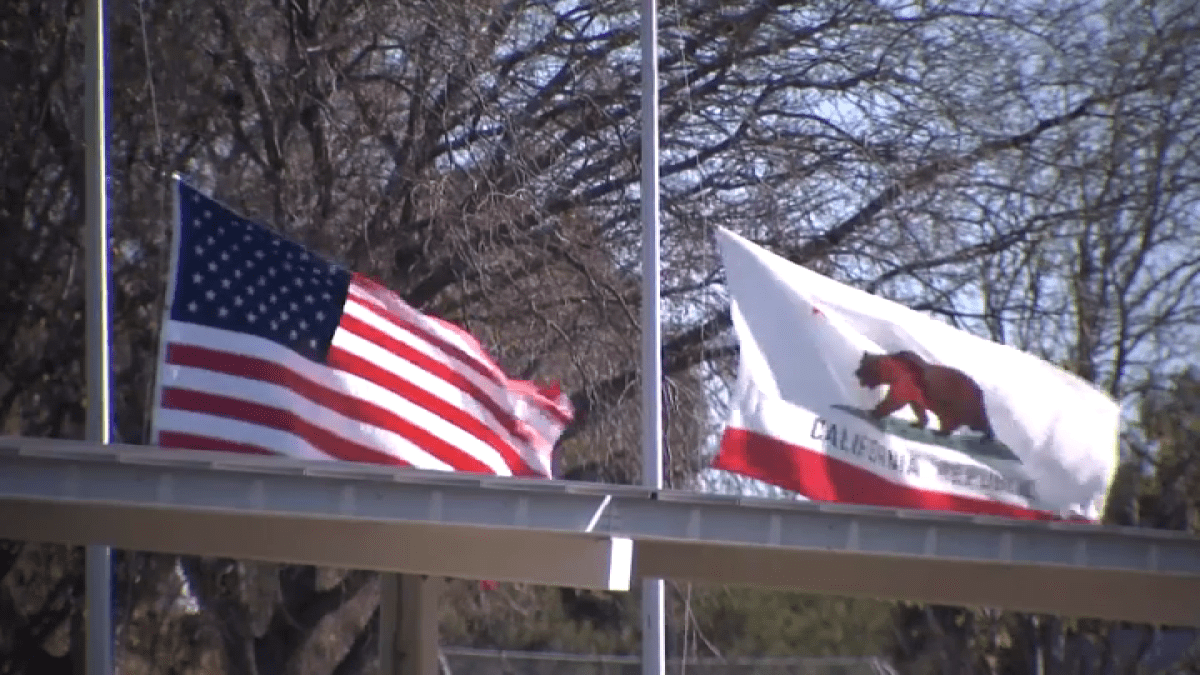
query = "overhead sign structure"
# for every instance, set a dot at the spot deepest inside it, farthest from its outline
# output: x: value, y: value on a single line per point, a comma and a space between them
x: 565, y: 533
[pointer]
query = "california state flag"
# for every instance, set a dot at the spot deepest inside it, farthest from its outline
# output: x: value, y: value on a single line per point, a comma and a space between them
x: 847, y: 397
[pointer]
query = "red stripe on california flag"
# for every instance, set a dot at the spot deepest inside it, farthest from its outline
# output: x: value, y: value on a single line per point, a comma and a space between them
x: 821, y: 477
x: 354, y: 364
x: 344, y: 404
x: 180, y: 440
x: 442, y: 371
x: 479, y: 362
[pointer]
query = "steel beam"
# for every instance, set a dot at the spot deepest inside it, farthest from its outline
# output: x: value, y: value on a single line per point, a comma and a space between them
x: 1071, y: 569
x: 575, y: 534
x: 314, y: 513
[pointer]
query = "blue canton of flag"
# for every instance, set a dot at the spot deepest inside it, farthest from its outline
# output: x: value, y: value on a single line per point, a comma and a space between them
x: 236, y: 275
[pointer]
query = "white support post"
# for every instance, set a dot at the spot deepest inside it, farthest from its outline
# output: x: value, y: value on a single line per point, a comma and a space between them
x: 98, y: 576
x: 408, y: 624
x: 653, y: 603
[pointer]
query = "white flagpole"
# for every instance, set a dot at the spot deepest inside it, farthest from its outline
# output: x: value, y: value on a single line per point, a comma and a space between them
x: 653, y: 606
x: 98, y: 575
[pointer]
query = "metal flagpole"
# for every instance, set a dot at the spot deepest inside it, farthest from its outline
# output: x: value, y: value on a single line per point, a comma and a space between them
x: 653, y: 606
x: 99, y: 561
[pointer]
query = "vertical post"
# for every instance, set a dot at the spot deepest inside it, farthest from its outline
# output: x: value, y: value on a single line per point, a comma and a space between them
x: 408, y: 624
x: 389, y: 621
x: 653, y: 605
x: 98, y: 577
x: 1039, y: 654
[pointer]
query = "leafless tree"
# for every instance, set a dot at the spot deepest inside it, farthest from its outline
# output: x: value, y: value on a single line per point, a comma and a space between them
x: 1024, y: 170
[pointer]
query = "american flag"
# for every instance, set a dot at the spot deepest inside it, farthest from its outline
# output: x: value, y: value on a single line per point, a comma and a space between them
x: 270, y: 348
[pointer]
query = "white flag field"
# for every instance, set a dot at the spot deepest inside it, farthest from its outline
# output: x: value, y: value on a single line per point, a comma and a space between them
x: 844, y: 396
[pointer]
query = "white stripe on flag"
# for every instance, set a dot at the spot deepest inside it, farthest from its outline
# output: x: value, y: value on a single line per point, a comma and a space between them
x: 357, y: 431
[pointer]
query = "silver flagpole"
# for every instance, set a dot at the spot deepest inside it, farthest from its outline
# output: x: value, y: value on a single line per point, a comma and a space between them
x: 99, y: 561
x: 653, y: 606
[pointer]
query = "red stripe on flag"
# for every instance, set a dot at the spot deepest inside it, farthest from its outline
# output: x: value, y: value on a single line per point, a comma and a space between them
x: 356, y: 365
x: 324, y: 439
x: 274, y: 418
x: 178, y: 439
x: 821, y: 477
x: 435, y: 368
x: 479, y: 362
x: 548, y: 398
